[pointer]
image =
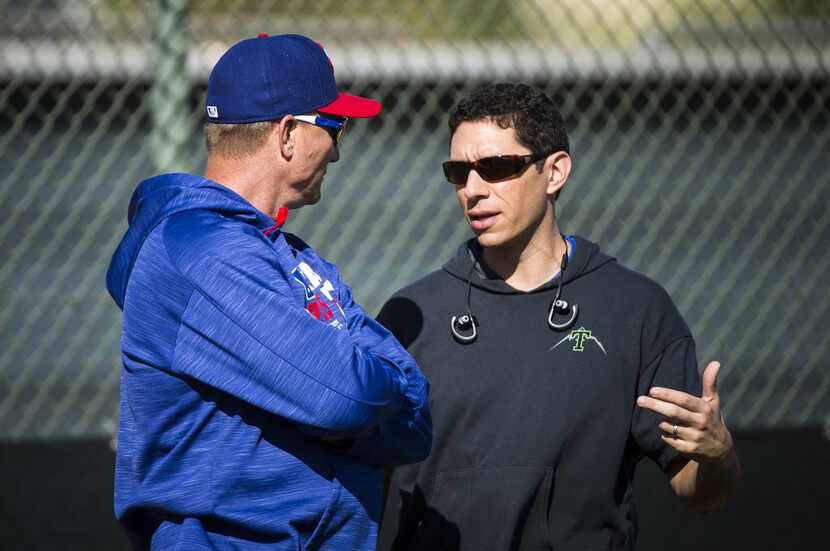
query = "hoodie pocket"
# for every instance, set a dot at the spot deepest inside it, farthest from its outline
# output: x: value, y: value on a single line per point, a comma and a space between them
x: 502, y: 508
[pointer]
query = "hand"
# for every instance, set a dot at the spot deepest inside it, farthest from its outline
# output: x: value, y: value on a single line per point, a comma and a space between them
x: 693, y: 426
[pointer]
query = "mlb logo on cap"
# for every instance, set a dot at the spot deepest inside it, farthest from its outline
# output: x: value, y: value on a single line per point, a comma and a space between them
x: 268, y: 77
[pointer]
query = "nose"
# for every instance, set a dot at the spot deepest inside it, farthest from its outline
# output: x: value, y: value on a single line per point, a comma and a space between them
x: 475, y: 186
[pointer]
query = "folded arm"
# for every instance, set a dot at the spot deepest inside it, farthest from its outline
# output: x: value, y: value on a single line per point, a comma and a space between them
x: 244, y: 332
x: 405, y: 436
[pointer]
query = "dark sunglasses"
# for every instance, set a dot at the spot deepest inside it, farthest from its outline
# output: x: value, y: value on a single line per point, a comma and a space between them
x: 491, y: 169
x: 336, y: 127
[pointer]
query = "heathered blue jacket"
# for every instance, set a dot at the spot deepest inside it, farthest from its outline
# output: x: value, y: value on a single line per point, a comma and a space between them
x: 245, y: 365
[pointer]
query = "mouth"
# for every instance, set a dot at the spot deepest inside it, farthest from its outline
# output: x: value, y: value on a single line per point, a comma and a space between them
x: 481, y: 220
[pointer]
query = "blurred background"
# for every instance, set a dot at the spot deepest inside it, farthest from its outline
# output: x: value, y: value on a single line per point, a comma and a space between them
x: 701, y: 138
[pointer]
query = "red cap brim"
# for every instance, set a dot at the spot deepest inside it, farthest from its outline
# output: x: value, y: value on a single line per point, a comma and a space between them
x: 354, y: 107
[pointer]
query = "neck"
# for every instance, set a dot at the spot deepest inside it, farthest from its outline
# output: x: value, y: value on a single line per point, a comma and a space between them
x: 248, y: 177
x: 529, y: 261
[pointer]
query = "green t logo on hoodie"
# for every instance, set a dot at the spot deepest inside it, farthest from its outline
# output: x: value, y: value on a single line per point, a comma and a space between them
x: 578, y: 337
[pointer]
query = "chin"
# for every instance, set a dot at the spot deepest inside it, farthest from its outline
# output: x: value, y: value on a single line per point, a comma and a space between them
x: 494, y: 240
x: 304, y: 201
x: 312, y: 195
x: 490, y: 239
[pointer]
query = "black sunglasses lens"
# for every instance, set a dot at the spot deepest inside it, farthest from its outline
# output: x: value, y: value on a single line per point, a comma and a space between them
x: 493, y: 169
x: 456, y: 172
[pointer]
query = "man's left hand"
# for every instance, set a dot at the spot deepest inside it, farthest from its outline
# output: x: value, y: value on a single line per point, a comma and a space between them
x: 693, y: 426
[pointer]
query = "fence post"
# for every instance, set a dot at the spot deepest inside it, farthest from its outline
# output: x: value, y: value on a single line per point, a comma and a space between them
x: 171, y: 86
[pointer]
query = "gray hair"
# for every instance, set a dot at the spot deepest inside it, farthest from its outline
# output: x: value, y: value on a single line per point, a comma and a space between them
x: 236, y: 140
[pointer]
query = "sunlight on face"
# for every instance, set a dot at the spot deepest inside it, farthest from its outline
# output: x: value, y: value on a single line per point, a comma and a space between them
x: 498, y: 212
x: 314, y: 151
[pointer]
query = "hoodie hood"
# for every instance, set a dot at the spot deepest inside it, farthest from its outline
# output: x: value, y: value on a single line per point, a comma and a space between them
x: 157, y: 198
x: 585, y: 257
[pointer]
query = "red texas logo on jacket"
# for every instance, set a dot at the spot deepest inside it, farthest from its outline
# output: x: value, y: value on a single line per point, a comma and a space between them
x: 325, y: 307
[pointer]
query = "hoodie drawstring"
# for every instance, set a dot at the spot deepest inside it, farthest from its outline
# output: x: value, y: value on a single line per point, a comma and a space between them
x: 463, y: 327
x: 559, y: 305
x: 466, y: 322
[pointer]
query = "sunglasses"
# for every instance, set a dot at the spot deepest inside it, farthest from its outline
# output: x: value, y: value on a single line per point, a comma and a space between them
x: 491, y: 169
x: 335, y: 127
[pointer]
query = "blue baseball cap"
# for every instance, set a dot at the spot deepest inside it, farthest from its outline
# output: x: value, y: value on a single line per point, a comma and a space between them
x: 268, y: 77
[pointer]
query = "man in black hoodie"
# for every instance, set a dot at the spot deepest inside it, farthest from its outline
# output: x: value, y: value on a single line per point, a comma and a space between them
x: 553, y: 369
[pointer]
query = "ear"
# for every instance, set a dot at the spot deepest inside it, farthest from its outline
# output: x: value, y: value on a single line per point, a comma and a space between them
x: 557, y: 169
x: 286, y: 136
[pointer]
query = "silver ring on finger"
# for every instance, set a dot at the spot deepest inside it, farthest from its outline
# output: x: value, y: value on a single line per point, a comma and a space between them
x: 674, y: 431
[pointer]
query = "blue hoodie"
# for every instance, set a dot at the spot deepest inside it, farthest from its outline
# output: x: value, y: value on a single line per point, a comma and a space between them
x: 258, y: 401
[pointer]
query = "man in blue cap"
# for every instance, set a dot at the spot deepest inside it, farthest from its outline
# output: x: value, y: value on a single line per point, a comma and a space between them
x: 259, y: 403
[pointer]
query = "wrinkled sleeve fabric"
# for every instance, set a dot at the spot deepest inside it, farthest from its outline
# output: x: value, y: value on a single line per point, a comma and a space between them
x: 668, y: 360
x: 243, y: 332
x: 406, y: 436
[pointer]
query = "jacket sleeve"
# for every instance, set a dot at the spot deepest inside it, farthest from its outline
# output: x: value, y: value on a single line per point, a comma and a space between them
x: 244, y: 332
x: 406, y: 436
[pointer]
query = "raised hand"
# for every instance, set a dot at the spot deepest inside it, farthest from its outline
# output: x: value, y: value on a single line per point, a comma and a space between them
x: 693, y: 426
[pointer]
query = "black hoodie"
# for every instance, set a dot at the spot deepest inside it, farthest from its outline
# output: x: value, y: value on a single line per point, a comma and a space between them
x: 536, y: 432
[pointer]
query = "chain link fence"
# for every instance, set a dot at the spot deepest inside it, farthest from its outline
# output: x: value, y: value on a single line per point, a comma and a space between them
x: 700, y: 134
